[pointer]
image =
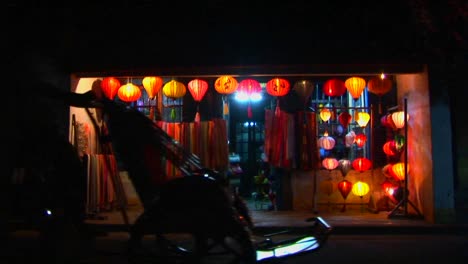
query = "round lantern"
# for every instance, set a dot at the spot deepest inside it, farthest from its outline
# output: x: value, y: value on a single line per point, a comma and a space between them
x: 152, y: 85
x: 326, y: 142
x: 388, y: 187
x: 360, y: 189
x: 249, y: 89
x: 110, y: 86
x: 398, y: 119
x: 174, y: 90
x: 330, y: 163
x: 226, y: 85
x: 345, y: 166
x: 398, y: 171
x: 399, y: 142
x: 197, y: 89
x: 345, y: 119
x: 389, y: 148
x: 379, y: 86
x: 325, y: 114
x: 129, y: 92
x: 360, y: 140
x: 277, y: 87
x: 386, y: 170
x: 362, y: 118
x: 362, y: 164
x: 355, y: 86
x: 334, y: 87
x: 304, y: 89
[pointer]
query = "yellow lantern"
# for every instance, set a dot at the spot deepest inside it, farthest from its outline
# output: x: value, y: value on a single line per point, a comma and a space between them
x: 129, y: 92
x: 362, y: 118
x: 174, y: 90
x: 398, y: 170
x: 360, y: 189
x: 152, y: 85
x: 398, y: 119
x: 325, y: 114
x: 355, y: 86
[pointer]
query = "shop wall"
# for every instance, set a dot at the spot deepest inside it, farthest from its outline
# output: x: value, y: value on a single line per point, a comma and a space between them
x: 414, y: 87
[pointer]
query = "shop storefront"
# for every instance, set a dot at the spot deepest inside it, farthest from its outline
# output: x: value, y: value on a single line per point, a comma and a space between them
x: 319, y: 155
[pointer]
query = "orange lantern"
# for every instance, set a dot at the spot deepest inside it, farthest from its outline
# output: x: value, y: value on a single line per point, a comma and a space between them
x: 277, y: 87
x: 362, y: 164
x: 110, y: 86
x: 226, y: 85
x: 360, y: 140
x: 330, y: 163
x: 326, y: 142
x: 198, y: 90
x: 152, y: 85
x: 379, y: 86
x: 398, y: 171
x: 304, y: 89
x: 355, y: 86
x: 386, y: 170
x: 249, y: 89
x: 174, y: 90
x: 398, y: 119
x: 334, y: 87
x: 129, y: 92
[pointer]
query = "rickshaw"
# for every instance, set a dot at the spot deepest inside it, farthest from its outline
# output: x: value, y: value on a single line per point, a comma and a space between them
x: 193, y: 218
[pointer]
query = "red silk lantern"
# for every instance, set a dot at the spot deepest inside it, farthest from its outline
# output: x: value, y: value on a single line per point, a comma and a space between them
x: 304, y: 89
x: 362, y: 164
x: 110, y: 86
x: 390, y: 123
x: 388, y: 187
x: 386, y: 170
x: 277, y: 87
x: 360, y: 140
x: 330, y: 163
x: 248, y: 88
x: 345, y: 188
x: 334, y: 87
x: 389, y: 148
x: 198, y: 90
x: 226, y: 85
x: 355, y: 86
x: 129, y: 92
x: 345, y: 119
x: 152, y: 85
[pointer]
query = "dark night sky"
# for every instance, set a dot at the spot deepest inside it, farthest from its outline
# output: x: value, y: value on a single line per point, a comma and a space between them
x: 217, y: 32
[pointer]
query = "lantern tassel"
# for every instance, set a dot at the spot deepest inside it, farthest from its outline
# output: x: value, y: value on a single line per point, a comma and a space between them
x: 225, y: 108
x: 249, y: 111
x: 173, y: 114
x: 197, y: 117
x: 277, y: 111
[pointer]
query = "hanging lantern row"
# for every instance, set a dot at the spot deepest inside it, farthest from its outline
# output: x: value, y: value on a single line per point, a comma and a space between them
x: 328, y: 142
x: 276, y: 87
x: 359, y: 164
